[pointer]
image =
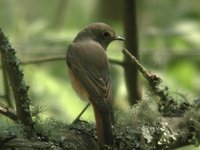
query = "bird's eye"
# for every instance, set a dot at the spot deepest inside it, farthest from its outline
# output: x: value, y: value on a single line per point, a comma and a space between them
x: 106, y: 34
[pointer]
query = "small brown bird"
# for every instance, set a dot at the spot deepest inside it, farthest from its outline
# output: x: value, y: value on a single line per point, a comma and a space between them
x: 89, y: 73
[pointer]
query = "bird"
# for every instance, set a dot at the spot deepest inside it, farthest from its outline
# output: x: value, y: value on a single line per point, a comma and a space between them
x: 89, y: 73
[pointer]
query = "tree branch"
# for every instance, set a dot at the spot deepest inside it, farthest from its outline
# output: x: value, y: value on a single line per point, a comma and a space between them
x: 19, y: 88
x: 168, y: 106
x: 116, y: 62
x: 24, y: 143
x: 134, y: 91
x: 133, y: 59
x: 8, y: 112
x: 80, y: 135
x: 59, y: 58
x: 42, y: 60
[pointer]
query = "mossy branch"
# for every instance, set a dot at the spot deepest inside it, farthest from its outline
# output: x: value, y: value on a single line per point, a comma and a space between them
x: 168, y: 106
x: 26, y: 144
x: 19, y: 88
x: 52, y: 134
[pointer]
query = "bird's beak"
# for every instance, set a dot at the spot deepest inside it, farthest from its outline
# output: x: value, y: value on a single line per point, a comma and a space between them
x: 119, y: 38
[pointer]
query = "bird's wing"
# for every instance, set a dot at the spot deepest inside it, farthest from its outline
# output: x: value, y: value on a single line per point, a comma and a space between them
x: 89, y: 63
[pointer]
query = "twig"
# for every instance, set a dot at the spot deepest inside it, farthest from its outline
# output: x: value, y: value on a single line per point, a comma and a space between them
x: 167, y: 106
x: 116, y: 62
x: 58, y: 58
x: 42, y: 60
x: 173, y: 56
x: 84, y: 109
x: 150, y: 77
x: 8, y: 112
x: 17, y: 83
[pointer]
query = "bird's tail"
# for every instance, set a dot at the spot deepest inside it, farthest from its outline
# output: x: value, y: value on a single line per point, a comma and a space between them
x: 104, y: 126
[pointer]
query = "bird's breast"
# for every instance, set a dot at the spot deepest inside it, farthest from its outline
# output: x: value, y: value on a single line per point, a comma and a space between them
x: 77, y: 85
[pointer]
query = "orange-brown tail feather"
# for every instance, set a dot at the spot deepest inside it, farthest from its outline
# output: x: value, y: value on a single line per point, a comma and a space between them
x: 104, y: 126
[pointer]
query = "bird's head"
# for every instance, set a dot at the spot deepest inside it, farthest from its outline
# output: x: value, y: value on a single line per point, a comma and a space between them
x: 99, y: 32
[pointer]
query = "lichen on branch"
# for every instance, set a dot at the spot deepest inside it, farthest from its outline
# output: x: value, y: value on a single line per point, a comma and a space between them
x: 19, y: 88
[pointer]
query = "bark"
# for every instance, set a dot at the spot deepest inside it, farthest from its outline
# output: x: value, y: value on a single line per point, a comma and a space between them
x: 131, y: 43
x: 19, y: 88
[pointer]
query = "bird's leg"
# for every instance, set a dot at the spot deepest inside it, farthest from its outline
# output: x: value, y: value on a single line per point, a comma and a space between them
x: 81, y: 113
